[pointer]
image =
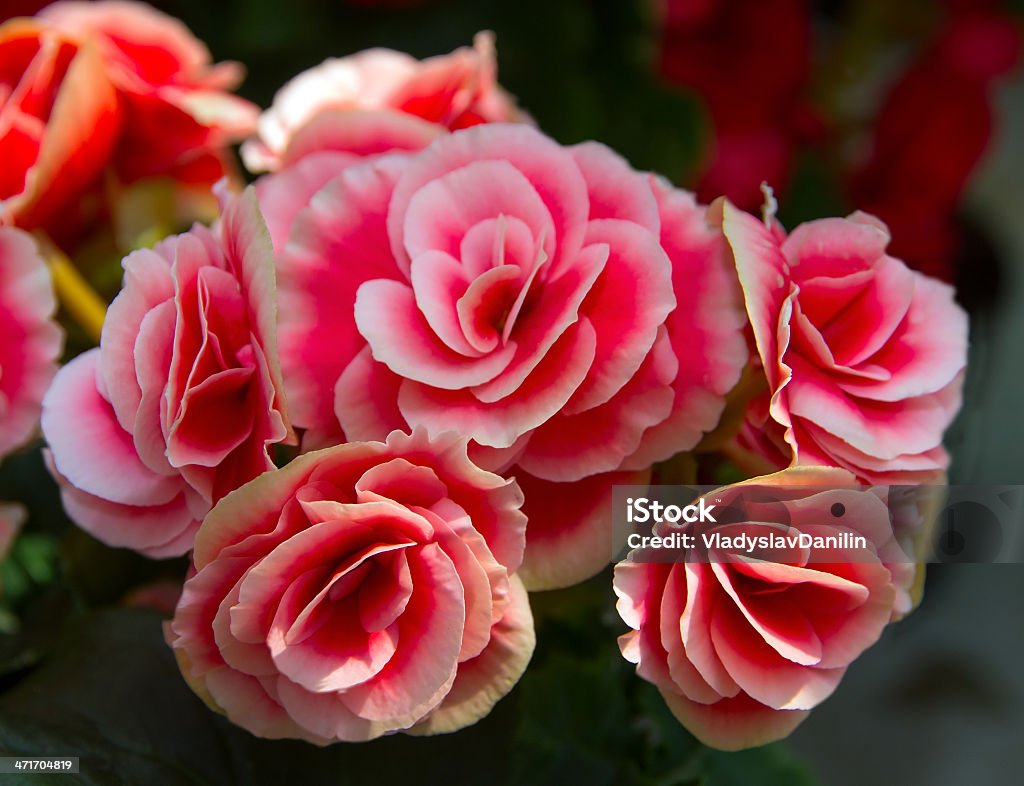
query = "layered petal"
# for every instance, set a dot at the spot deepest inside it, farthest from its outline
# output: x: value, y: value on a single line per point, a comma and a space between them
x: 743, y: 641
x: 360, y: 590
x: 863, y: 356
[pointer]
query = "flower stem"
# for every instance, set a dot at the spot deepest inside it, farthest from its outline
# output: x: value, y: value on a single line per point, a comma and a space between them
x: 75, y: 294
x: 747, y: 461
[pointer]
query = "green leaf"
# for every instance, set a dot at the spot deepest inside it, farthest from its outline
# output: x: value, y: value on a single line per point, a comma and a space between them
x: 771, y: 765
x: 574, y: 724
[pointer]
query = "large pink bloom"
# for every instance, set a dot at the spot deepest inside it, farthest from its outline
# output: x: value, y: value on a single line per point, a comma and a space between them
x: 576, y: 319
x: 31, y: 340
x: 379, y: 100
x: 183, y: 398
x: 742, y: 646
x: 360, y: 590
x: 864, y: 357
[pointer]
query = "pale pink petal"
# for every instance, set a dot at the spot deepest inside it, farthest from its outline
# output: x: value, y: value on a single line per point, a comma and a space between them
x: 627, y: 305
x: 571, y: 446
x: 763, y: 274
x: 882, y: 428
x: 549, y: 169
x: 338, y: 243
x: 442, y: 211
x: 733, y: 724
x: 283, y: 195
x: 438, y: 282
x: 366, y: 400
x: 501, y: 423
x: 158, y: 530
x: 147, y: 284
x: 547, y: 322
x: 762, y: 673
x: 32, y: 340
x: 400, y: 337
x: 430, y: 632
x: 75, y: 419
x: 483, y: 681
x: 613, y: 189
x: 706, y: 328
x: 358, y: 132
x: 921, y: 358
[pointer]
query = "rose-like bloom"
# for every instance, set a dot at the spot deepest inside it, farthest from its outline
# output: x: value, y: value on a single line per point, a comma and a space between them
x: 31, y: 339
x: 179, y: 118
x: 742, y: 645
x: 362, y: 589
x: 864, y: 357
x: 379, y: 100
x: 59, y: 119
x: 88, y: 88
x: 526, y: 295
x: 180, y: 402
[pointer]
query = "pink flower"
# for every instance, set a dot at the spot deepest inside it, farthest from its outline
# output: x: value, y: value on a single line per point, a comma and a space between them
x: 179, y: 118
x: 379, y: 100
x: 526, y: 295
x: 360, y: 590
x: 741, y: 647
x: 183, y: 397
x: 31, y: 339
x: 864, y: 358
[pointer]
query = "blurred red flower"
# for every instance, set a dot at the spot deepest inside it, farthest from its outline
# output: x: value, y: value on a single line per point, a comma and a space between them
x: 753, y: 85
x: 932, y: 131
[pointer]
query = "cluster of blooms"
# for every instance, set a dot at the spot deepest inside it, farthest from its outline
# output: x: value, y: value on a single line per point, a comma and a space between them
x: 471, y: 333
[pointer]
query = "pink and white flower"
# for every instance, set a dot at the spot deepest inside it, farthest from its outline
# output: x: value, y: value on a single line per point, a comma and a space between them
x: 183, y: 398
x: 742, y: 646
x: 31, y: 341
x: 575, y: 319
x: 864, y: 357
x: 377, y: 101
x: 362, y: 589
